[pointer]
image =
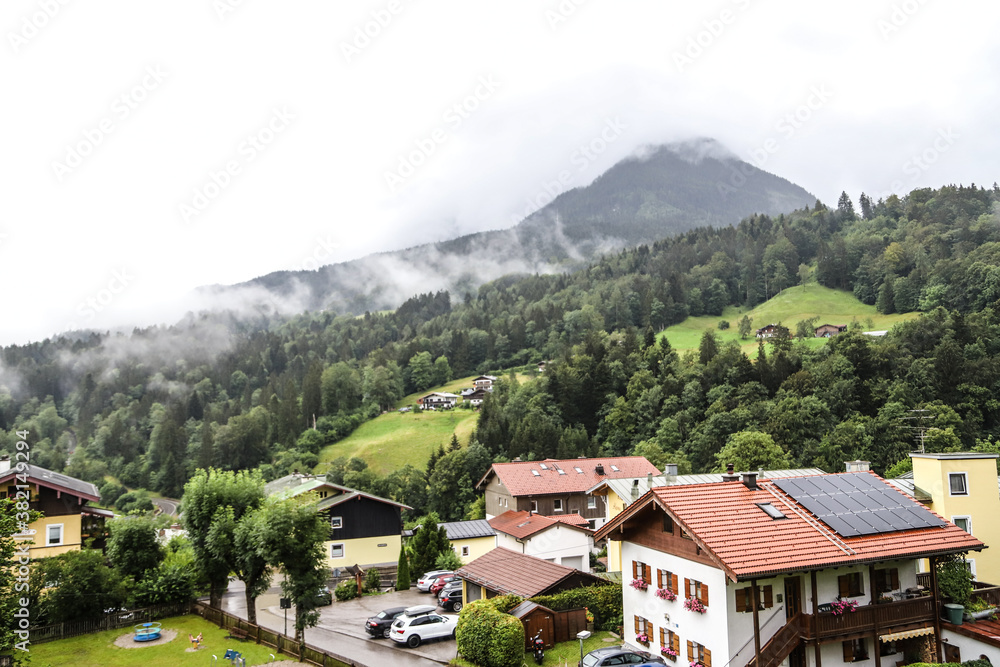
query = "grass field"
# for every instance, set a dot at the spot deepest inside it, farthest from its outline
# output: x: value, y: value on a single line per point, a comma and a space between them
x: 98, y: 650
x: 789, y: 307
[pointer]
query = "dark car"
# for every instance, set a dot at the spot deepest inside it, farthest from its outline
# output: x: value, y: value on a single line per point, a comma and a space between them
x: 619, y: 655
x: 451, y: 600
x: 440, y: 582
x: 379, y: 624
x: 323, y: 597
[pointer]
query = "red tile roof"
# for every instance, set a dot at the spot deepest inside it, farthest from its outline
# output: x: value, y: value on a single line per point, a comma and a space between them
x: 525, y: 524
x: 507, y: 571
x: 518, y: 478
x: 573, y: 519
x: 725, y: 521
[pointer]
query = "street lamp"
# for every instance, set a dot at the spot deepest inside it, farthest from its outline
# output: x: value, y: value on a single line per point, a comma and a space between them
x: 583, y: 634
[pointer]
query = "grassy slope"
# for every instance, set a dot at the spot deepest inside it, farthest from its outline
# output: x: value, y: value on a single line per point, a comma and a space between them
x: 392, y: 440
x: 788, y: 307
x: 98, y: 649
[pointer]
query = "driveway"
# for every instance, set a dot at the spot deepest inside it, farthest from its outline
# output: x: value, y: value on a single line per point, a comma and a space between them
x: 341, y: 627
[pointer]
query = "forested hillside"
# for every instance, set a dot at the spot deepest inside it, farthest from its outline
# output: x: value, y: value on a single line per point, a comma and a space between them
x: 150, y: 408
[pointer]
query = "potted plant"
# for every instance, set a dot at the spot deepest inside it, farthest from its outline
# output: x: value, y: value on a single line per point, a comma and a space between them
x: 843, y: 607
x: 666, y: 594
x: 669, y: 653
x: 694, y: 604
x: 639, y: 584
x: 642, y: 638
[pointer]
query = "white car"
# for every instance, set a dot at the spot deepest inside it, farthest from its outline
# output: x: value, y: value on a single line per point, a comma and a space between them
x: 411, y: 630
x: 424, y: 582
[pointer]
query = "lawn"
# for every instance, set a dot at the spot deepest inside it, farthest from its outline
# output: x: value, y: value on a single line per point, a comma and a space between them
x: 566, y: 653
x: 789, y: 307
x: 98, y: 650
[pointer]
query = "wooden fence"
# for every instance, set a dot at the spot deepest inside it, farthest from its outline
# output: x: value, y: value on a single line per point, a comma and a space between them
x: 568, y: 623
x: 114, y: 621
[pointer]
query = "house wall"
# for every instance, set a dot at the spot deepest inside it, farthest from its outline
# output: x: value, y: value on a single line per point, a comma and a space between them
x: 364, y: 517
x: 982, y: 504
x: 969, y: 647
x: 558, y: 544
x: 71, y: 540
x: 572, y: 503
x: 615, y: 506
x: 709, y: 629
x: 498, y: 498
x: 477, y: 547
x: 365, y: 551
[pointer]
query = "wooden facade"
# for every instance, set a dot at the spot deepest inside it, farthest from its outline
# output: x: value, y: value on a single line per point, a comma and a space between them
x: 363, y: 517
x: 664, y: 535
x: 499, y: 500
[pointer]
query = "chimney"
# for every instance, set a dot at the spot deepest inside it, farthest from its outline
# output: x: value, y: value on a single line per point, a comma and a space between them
x: 649, y: 480
x: 4, y: 463
x: 599, y: 469
x: 750, y: 480
x: 730, y: 475
x: 670, y: 474
x: 635, y: 489
x: 858, y: 466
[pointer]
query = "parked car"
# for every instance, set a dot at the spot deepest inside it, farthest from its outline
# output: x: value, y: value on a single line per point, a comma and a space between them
x: 412, y: 630
x: 450, y: 586
x: 323, y: 597
x: 619, y: 655
x: 440, y: 582
x: 380, y: 624
x: 451, y: 599
x: 424, y: 582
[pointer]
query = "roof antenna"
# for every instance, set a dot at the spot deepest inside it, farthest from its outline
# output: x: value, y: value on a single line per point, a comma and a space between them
x: 920, y: 431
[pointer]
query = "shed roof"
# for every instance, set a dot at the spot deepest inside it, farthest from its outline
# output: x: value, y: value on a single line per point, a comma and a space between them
x: 506, y: 571
x: 55, y: 480
x: 467, y: 530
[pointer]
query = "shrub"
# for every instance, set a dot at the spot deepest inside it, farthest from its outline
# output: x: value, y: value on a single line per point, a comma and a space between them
x: 403, y: 571
x: 489, y: 637
x: 373, y: 580
x: 723, y: 325
x: 504, y: 603
x: 506, y: 648
x: 605, y: 601
x: 473, y: 631
x: 955, y: 580
x: 346, y: 590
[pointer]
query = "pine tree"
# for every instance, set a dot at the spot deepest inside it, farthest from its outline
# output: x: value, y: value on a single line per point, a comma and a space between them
x: 402, y: 571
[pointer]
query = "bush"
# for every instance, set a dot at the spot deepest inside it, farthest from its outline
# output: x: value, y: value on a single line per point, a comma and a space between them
x: 473, y: 631
x: 373, y: 580
x: 955, y: 580
x: 605, y: 601
x: 346, y: 590
x: 506, y: 647
x: 489, y: 637
x: 723, y: 325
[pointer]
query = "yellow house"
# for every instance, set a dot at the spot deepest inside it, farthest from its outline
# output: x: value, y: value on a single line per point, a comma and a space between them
x: 365, y: 530
x: 470, y: 539
x: 66, y: 522
x: 963, y: 488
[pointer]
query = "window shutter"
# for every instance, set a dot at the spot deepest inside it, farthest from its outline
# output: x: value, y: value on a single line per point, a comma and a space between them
x: 691, y: 655
x: 844, y: 584
x: 676, y: 586
x: 675, y: 642
x: 637, y: 630
x: 707, y: 660
x: 848, y: 651
x: 647, y: 574
x: 703, y: 594
x: 741, y: 599
x: 635, y: 569
x: 893, y: 579
x: 663, y: 636
x: 687, y: 587
x: 768, y: 598
x: 659, y: 578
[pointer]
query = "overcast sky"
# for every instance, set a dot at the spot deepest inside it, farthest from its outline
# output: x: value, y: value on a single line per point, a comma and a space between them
x: 152, y: 147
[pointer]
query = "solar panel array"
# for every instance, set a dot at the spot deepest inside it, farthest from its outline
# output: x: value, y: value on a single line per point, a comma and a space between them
x: 854, y: 504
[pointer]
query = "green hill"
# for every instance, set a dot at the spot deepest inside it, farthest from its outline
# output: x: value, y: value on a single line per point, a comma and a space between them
x: 789, y: 308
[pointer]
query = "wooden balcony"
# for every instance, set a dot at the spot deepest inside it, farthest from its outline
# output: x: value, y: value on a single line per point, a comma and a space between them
x: 826, y: 627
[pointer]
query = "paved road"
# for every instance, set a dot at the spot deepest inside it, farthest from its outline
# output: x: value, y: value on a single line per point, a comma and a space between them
x: 341, y: 628
x: 167, y: 505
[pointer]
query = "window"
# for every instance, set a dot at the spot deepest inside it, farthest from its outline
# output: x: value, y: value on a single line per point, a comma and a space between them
x: 534, y: 506
x: 337, y: 550
x: 54, y: 535
x: 850, y: 585
x: 695, y: 589
x: 643, y: 627
x: 465, y: 551
x: 855, y: 650
x: 336, y: 522
x: 671, y: 639
x: 957, y: 484
x: 886, y: 580
x: 700, y: 654
x: 591, y: 503
x: 668, y: 580
x: 963, y: 522
x: 642, y: 571
x: 668, y: 523
x: 744, y: 598
x: 557, y: 505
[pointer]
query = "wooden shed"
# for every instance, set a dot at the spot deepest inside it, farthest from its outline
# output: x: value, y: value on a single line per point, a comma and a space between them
x: 535, y: 617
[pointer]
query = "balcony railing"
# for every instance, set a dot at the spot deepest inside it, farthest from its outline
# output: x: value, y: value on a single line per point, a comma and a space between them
x: 862, y: 619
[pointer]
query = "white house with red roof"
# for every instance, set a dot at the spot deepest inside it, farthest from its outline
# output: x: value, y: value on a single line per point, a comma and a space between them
x: 805, y: 572
x: 557, y: 487
x: 565, y: 540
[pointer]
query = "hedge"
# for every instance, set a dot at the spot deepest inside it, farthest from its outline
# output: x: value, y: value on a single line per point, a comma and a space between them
x: 346, y: 590
x: 490, y: 637
x: 604, y: 602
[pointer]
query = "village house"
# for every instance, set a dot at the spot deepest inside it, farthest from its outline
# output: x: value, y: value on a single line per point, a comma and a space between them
x: 365, y: 530
x: 484, y: 382
x: 801, y: 571
x: 553, y: 486
x: 474, y: 396
x: 438, y: 400
x: 564, y: 539
x: 829, y: 330
x: 470, y: 539
x: 504, y: 572
x: 769, y: 331
x: 67, y: 521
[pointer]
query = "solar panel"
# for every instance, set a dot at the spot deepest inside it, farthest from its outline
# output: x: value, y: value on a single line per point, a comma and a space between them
x: 857, y: 503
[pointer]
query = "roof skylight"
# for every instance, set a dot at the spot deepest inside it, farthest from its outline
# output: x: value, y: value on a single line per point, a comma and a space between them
x: 771, y: 510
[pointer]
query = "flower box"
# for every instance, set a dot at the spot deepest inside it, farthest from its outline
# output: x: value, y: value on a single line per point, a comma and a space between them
x: 668, y: 653
x: 843, y: 607
x: 666, y: 594
x: 694, y: 604
x: 642, y: 638
x: 639, y: 584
